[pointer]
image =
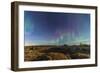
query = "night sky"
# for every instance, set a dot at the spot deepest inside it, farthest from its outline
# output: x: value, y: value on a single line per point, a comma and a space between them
x: 53, y: 28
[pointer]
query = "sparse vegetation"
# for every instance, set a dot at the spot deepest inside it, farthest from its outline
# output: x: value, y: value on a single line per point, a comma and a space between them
x: 51, y: 52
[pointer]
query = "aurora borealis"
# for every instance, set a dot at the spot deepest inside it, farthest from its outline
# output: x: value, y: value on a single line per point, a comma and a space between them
x: 54, y: 28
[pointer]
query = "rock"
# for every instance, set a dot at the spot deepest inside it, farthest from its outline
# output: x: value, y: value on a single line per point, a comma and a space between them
x: 57, y: 56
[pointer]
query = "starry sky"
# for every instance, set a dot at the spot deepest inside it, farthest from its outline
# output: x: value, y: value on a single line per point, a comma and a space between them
x: 55, y: 28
